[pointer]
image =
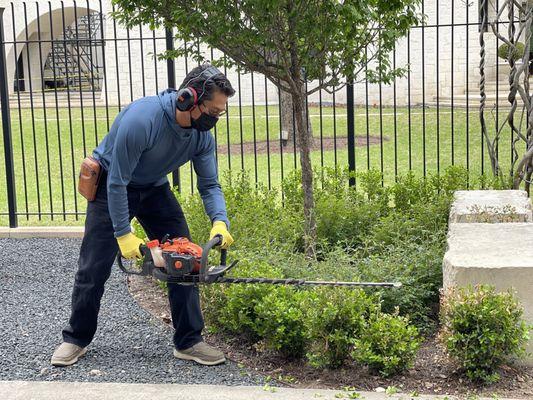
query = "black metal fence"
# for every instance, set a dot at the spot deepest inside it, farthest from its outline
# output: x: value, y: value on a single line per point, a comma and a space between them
x: 67, y: 68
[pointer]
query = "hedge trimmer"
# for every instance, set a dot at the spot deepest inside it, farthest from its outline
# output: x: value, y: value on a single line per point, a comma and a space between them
x: 181, y: 261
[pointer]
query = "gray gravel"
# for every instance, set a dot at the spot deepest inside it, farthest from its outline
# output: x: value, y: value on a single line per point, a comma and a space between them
x: 36, y: 278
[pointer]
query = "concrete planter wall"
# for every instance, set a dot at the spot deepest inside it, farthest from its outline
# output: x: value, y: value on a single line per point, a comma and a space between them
x: 490, y: 242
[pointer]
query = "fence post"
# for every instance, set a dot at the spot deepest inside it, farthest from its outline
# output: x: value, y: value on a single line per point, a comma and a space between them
x: 171, y: 77
x: 6, y: 128
x: 351, y: 130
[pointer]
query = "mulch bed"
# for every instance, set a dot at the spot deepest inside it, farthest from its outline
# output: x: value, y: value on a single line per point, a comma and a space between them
x: 273, y: 145
x: 432, y: 372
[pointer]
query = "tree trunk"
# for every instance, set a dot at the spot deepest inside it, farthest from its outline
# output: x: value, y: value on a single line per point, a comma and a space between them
x: 287, y: 115
x: 304, y: 140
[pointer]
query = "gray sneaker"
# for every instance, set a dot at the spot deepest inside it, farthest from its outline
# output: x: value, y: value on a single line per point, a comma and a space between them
x: 202, y: 353
x: 67, y: 354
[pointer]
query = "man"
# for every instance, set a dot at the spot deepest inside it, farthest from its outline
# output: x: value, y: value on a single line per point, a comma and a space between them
x: 148, y: 139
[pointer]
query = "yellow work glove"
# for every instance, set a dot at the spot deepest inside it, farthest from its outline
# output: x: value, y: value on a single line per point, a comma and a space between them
x: 129, y: 246
x: 220, y: 228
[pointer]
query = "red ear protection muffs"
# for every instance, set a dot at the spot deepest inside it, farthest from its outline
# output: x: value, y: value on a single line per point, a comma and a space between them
x: 187, y: 98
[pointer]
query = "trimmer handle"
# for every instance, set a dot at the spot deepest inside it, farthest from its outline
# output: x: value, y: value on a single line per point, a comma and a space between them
x: 216, y: 241
x: 144, y: 251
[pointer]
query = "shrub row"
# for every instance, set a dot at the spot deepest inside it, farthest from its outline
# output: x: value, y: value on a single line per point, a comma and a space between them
x: 327, y: 326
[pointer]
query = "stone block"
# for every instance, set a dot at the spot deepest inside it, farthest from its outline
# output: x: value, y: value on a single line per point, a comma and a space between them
x: 496, y: 254
x: 491, y: 206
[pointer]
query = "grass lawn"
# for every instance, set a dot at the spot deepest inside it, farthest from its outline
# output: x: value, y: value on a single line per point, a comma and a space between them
x: 417, y: 139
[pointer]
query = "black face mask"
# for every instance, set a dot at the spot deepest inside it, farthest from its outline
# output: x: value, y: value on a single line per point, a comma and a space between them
x: 204, y: 123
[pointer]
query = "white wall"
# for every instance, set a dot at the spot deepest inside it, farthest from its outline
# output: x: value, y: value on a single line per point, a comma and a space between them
x: 423, y: 55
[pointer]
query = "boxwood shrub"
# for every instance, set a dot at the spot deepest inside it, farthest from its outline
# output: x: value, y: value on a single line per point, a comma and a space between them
x: 482, y: 328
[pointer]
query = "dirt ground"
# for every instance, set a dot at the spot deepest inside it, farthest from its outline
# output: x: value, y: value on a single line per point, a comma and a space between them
x: 432, y: 372
x: 273, y: 145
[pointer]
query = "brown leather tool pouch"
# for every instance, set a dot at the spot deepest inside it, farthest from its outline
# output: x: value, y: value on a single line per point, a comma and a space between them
x: 89, y: 178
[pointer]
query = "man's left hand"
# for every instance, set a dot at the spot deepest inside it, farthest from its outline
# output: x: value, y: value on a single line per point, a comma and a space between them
x: 220, y: 228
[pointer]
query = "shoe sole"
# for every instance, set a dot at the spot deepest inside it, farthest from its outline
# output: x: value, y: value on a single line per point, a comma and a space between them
x: 188, y: 357
x: 66, y: 363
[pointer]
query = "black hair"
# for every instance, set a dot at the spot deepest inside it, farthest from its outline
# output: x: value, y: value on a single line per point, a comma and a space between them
x: 204, y: 86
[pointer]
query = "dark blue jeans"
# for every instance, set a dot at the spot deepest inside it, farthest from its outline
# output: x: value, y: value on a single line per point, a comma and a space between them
x: 159, y: 213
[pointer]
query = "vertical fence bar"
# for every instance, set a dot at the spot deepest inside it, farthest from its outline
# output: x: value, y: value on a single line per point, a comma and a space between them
x: 186, y: 72
x: 15, y: 59
x: 452, y: 78
x: 71, y: 131
x: 155, y: 63
x: 294, y: 135
x: 186, y: 60
x: 334, y: 128
x: 367, y: 113
x: 423, y: 93
x: 215, y: 130
x: 280, y: 140
x: 58, y: 124
x: 128, y: 41
x: 321, y: 133
x: 307, y: 117
x: 351, y: 130
x: 45, y: 116
x: 254, y: 127
x: 409, y: 99
x: 381, y: 125
x: 437, y: 84
x: 78, y: 51
x: 30, y: 81
x: 484, y: 27
x: 90, y: 35
x: 171, y: 77
x: 267, y: 135
x: 116, y: 57
x: 102, y: 37
x: 142, y: 59
x: 6, y: 128
x: 467, y: 97
x: 240, y: 120
x: 198, y: 51
x: 227, y: 120
x: 497, y: 149
x: 395, y: 119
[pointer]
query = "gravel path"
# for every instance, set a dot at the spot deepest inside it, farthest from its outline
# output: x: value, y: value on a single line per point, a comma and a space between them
x: 36, y: 277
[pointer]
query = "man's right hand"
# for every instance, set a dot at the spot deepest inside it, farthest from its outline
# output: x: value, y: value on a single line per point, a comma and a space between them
x: 129, y: 246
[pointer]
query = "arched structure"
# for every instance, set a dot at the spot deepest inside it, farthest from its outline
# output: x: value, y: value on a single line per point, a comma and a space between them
x: 30, y: 33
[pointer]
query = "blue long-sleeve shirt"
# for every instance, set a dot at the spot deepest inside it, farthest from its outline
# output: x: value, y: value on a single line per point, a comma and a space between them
x: 144, y: 144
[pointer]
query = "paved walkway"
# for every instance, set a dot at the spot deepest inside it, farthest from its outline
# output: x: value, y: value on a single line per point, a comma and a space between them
x: 121, y: 391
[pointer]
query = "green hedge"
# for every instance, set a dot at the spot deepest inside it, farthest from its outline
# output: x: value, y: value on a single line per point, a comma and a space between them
x: 365, y: 233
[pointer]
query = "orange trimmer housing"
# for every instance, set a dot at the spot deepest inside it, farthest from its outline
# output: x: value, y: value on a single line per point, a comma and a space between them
x: 182, y: 246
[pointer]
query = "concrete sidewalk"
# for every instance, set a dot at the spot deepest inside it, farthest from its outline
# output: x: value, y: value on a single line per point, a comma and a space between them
x: 23, y: 232
x: 24, y: 390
